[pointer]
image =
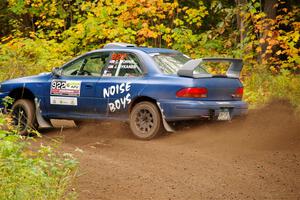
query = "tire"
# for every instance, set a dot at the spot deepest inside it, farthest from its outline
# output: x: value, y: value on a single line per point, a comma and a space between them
x: 146, y: 121
x: 23, y: 115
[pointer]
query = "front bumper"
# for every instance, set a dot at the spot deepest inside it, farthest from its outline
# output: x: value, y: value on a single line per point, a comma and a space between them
x: 174, y: 110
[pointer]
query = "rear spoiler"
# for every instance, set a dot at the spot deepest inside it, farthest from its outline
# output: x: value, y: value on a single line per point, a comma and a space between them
x: 234, y: 70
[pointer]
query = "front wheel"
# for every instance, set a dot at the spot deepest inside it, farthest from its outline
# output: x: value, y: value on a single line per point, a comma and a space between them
x: 23, y: 115
x: 146, y: 121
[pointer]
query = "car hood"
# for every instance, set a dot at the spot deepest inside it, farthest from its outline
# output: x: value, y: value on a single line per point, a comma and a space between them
x: 29, y: 79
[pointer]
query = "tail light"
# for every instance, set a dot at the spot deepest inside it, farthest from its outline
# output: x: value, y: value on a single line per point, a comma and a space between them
x: 192, y: 93
x: 238, y: 92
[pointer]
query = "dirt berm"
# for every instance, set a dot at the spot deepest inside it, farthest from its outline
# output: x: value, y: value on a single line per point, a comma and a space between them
x: 253, y: 158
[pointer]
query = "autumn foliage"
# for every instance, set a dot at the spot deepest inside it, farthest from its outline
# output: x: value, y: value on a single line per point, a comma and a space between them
x: 41, y: 34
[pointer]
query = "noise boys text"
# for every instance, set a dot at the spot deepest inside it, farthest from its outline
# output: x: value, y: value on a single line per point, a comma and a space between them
x: 121, y: 102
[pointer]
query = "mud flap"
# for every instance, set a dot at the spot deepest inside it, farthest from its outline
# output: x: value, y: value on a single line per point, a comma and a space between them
x: 165, y: 123
x: 63, y: 123
x: 40, y: 120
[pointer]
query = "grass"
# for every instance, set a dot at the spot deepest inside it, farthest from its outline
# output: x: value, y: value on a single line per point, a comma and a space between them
x: 27, y: 173
x: 262, y: 86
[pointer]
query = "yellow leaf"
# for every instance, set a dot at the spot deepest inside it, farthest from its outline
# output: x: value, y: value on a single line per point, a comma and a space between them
x: 258, y: 49
x: 262, y: 40
x: 270, y: 33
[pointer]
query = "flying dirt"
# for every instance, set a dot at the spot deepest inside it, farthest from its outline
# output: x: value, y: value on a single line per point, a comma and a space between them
x: 257, y: 157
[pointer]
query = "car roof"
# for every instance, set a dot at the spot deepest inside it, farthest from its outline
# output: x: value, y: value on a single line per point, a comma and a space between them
x: 126, y: 46
x: 154, y: 50
x: 143, y: 49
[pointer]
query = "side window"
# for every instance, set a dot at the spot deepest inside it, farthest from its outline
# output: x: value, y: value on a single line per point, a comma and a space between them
x: 91, y: 65
x: 72, y: 68
x: 94, y: 64
x: 123, y: 64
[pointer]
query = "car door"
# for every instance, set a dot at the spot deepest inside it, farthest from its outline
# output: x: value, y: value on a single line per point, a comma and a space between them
x: 122, y: 80
x: 73, y: 93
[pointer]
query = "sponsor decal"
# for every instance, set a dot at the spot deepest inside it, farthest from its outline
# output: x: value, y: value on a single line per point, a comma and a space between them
x: 125, y: 64
x: 122, y: 102
x: 65, y: 88
x: 69, y: 101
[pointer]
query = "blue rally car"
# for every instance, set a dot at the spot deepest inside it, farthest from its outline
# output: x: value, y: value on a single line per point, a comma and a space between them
x: 149, y: 87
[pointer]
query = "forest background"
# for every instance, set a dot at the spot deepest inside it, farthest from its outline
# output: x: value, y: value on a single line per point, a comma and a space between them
x: 37, y: 35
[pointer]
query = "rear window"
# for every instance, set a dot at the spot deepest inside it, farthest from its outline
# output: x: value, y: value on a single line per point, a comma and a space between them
x: 170, y: 63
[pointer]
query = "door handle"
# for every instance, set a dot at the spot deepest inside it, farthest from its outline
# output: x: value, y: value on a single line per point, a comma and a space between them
x: 88, y: 86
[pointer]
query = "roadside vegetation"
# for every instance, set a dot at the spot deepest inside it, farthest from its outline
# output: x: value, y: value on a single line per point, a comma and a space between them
x: 30, y: 171
x: 37, y: 35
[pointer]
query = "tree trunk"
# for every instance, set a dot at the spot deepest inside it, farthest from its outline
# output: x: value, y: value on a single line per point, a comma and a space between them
x: 269, y: 8
x: 240, y: 19
x: 270, y: 11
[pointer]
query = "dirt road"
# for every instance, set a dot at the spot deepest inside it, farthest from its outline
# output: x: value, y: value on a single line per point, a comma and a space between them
x: 253, y: 158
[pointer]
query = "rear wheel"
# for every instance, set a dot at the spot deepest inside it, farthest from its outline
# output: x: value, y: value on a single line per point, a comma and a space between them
x: 23, y: 115
x: 146, y: 121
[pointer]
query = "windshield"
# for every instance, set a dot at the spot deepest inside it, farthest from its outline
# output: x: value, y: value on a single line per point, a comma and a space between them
x: 170, y: 63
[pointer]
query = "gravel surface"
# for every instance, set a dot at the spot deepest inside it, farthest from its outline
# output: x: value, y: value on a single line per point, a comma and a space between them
x: 253, y: 158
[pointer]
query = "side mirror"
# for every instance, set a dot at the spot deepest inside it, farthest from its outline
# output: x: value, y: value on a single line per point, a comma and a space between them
x: 56, y: 72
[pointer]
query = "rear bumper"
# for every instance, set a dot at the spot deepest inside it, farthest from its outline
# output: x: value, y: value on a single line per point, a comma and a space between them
x: 175, y: 110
